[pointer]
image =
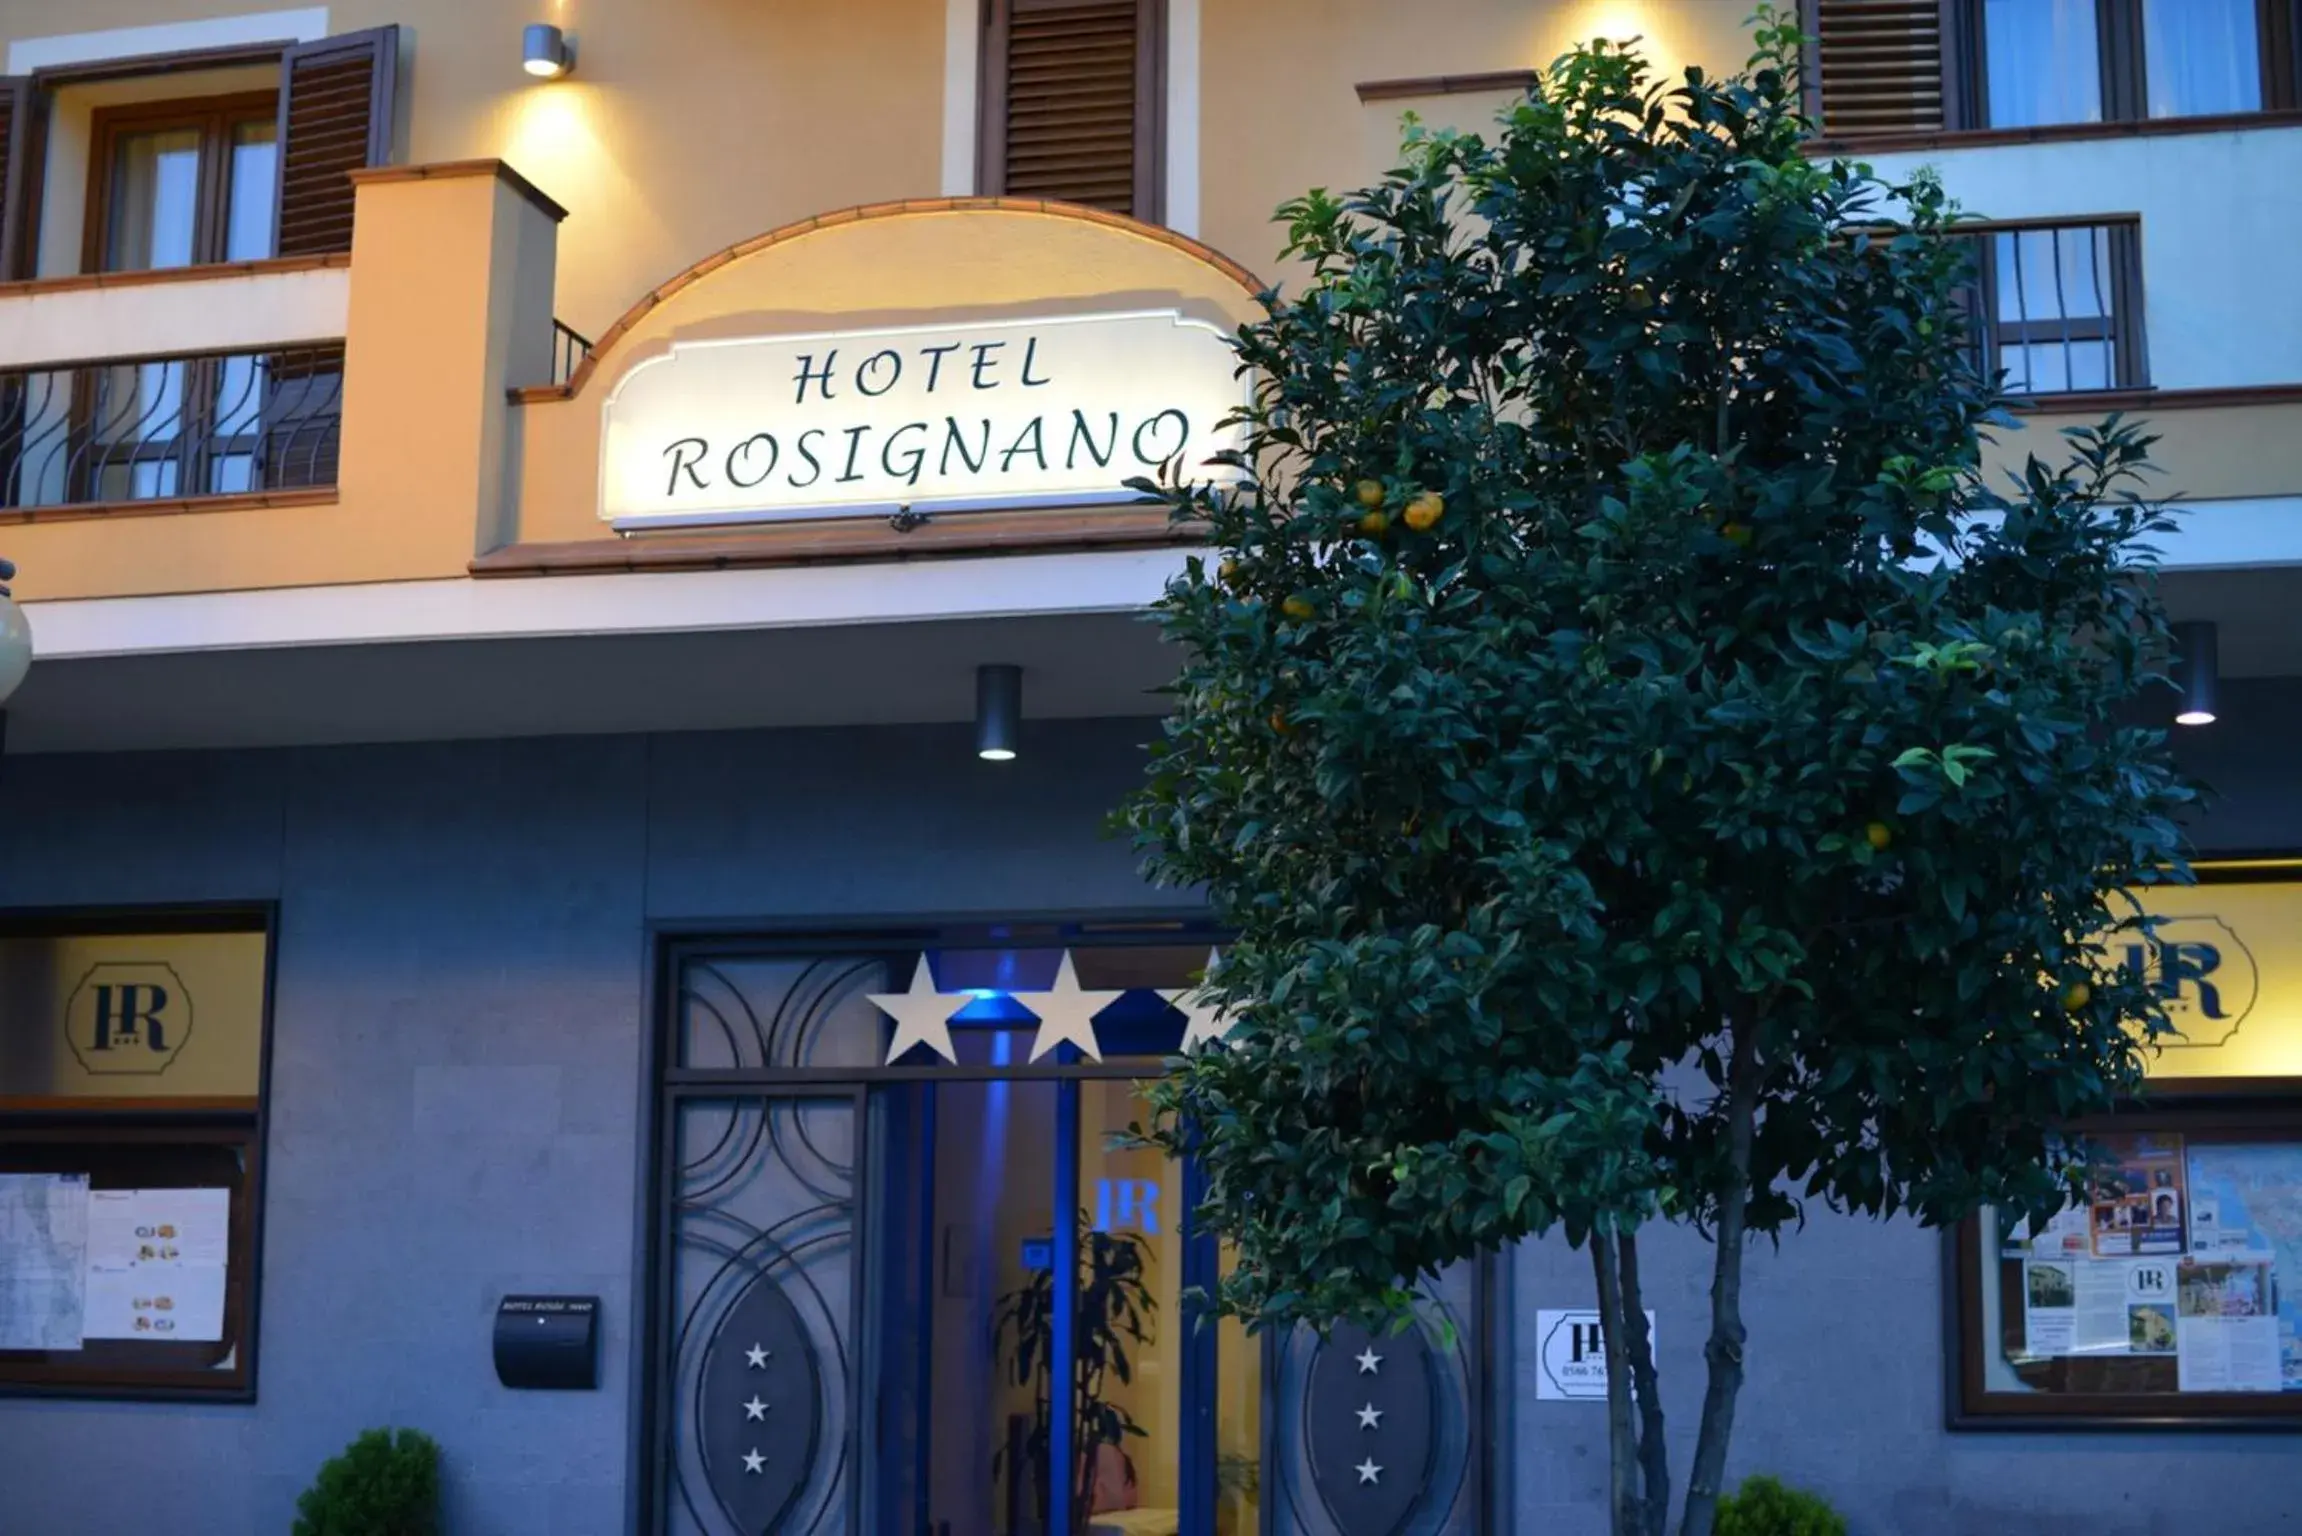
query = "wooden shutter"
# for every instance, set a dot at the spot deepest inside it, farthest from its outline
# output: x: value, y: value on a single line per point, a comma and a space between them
x: 1881, y: 67
x: 1072, y: 105
x: 335, y: 118
x: 21, y: 140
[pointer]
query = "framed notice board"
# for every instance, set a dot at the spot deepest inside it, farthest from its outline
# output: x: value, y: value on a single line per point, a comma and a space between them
x: 134, y: 1047
x: 2172, y: 1297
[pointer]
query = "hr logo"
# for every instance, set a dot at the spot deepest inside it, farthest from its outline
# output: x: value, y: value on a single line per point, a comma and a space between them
x: 2202, y: 972
x: 1572, y: 1354
x: 128, y: 1017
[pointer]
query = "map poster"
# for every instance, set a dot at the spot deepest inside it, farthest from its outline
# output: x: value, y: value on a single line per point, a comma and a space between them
x: 43, y: 1259
x: 2241, y: 1292
x: 2139, y: 1206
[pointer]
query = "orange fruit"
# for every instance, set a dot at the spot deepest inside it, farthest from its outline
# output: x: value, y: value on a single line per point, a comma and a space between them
x: 1424, y: 512
x: 1737, y: 534
x: 1369, y: 492
x: 1881, y: 835
x: 1375, y: 523
x: 1297, y: 607
x: 2076, y: 996
x: 1280, y: 723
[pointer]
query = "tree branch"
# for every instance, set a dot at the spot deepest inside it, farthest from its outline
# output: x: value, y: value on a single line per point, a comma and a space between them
x: 1724, y: 1351
x: 1626, y: 1513
x: 1638, y: 1344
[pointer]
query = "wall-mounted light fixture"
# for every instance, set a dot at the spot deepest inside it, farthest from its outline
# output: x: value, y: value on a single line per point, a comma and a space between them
x: 15, y: 644
x: 2197, y: 671
x: 546, y: 52
x: 998, y: 712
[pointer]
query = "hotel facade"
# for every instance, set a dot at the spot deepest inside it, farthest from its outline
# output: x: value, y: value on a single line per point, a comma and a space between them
x: 527, y: 510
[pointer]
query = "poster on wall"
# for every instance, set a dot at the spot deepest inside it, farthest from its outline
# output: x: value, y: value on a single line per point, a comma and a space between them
x: 2242, y: 1289
x: 2139, y: 1206
x: 156, y: 1260
x: 43, y: 1259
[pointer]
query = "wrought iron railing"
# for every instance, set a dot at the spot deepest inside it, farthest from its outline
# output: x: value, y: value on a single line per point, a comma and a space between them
x: 153, y: 428
x: 569, y: 349
x: 2058, y: 306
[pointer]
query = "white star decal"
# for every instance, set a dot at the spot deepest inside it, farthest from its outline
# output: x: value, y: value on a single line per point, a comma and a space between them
x: 1369, y: 1415
x: 922, y: 1016
x: 753, y: 1461
x: 1204, y: 1022
x: 1369, y: 1361
x: 755, y: 1409
x: 1067, y: 1014
x: 1368, y: 1471
x: 756, y: 1357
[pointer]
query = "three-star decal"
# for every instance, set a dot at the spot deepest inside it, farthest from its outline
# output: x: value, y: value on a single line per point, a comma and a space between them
x: 1066, y: 1013
x: 1203, y: 1020
x: 922, y: 1016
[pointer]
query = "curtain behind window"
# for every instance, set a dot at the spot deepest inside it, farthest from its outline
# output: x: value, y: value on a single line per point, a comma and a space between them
x: 2044, y: 61
x: 2200, y: 57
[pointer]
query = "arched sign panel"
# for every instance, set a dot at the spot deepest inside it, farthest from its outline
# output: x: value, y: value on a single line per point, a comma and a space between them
x: 1006, y: 414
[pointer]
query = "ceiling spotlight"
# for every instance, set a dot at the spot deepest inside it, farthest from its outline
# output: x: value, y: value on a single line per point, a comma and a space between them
x: 2197, y: 669
x: 545, y: 51
x: 998, y: 712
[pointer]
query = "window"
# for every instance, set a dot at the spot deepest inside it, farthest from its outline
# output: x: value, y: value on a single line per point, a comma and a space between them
x: 1072, y: 102
x: 180, y: 184
x: 132, y: 1052
x: 2042, y: 62
x: 1902, y: 66
x: 2061, y: 307
x: 194, y: 181
x: 2173, y: 1295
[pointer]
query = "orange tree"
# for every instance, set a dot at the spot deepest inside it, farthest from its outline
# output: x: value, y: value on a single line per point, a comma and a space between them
x: 1651, y: 773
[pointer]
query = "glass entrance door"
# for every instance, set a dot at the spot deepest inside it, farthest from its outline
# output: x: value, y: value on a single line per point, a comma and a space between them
x: 911, y: 1277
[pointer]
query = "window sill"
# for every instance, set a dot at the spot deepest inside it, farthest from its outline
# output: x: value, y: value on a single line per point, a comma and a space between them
x: 2104, y: 400
x: 34, y: 286
x: 2052, y: 133
x: 169, y: 506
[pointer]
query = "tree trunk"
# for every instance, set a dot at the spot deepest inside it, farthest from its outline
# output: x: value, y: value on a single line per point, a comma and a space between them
x: 1654, y: 1451
x: 1622, y: 1448
x: 1723, y: 1352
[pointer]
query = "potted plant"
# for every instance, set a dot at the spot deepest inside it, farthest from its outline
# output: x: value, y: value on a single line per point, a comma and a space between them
x: 1116, y: 1316
x: 385, y: 1483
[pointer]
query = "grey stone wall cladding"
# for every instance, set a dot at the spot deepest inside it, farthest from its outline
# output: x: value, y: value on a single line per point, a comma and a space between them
x: 458, y: 1085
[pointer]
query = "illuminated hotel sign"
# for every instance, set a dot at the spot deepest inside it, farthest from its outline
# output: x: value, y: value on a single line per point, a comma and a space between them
x: 1059, y: 412
x: 2227, y: 962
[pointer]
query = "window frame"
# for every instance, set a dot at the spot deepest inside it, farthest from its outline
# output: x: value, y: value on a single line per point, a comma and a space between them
x: 238, y: 1122
x: 2118, y: 30
x: 215, y: 118
x: 2224, y: 1110
x: 2125, y: 320
x: 1149, y: 162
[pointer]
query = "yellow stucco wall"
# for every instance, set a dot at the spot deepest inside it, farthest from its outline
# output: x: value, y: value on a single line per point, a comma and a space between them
x: 687, y: 125
x: 1279, y: 112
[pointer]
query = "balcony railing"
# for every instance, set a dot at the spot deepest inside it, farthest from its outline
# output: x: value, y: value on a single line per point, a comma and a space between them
x: 2059, y: 305
x: 569, y: 349
x: 163, y: 428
